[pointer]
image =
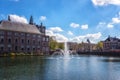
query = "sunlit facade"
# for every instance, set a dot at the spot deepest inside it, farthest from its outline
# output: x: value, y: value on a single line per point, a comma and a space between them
x: 23, y: 38
x: 111, y: 44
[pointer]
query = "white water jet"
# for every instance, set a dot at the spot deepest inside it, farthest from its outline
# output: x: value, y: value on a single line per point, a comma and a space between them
x: 65, y: 53
x: 66, y: 50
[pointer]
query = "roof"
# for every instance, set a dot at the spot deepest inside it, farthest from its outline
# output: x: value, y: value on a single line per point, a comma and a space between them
x: 112, y: 39
x: 20, y: 27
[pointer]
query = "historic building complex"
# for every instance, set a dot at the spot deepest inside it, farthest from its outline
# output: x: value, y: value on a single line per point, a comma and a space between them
x: 111, y: 44
x: 20, y: 37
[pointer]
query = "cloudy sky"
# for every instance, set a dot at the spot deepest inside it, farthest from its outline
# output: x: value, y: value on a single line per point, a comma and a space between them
x: 72, y: 20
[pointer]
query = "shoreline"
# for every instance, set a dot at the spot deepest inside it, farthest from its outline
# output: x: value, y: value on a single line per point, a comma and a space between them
x: 109, y: 54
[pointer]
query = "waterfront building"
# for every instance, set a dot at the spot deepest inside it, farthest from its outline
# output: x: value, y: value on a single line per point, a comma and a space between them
x: 111, y: 44
x: 19, y: 37
x: 87, y: 46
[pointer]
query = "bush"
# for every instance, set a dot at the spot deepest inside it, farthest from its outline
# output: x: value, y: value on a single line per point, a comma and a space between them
x: 12, y: 54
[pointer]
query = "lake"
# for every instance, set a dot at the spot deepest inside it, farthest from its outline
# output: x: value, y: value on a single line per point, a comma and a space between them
x: 81, y: 67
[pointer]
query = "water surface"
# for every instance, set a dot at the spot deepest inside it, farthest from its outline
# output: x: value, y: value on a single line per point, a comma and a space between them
x: 59, y: 68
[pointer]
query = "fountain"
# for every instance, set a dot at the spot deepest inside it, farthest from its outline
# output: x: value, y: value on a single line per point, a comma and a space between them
x: 66, y: 53
x: 66, y: 50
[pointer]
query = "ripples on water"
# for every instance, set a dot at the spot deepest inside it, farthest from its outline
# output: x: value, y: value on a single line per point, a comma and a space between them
x: 59, y: 68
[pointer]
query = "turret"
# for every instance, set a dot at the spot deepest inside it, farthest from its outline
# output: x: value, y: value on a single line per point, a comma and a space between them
x: 31, y: 20
x: 9, y: 18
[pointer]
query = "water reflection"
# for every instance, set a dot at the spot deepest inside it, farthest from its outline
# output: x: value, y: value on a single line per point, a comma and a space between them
x: 111, y: 59
x: 58, y: 68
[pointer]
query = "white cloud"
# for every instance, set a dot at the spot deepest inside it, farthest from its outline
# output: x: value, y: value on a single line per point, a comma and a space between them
x: 61, y: 38
x: 101, y: 25
x: 56, y: 29
x: 93, y: 37
x: 74, y: 25
x: 43, y: 18
x: 116, y: 20
x: 84, y: 26
x: 16, y: 18
x: 110, y: 26
x: 70, y: 33
x: 49, y: 33
x: 105, y: 2
x: 58, y: 37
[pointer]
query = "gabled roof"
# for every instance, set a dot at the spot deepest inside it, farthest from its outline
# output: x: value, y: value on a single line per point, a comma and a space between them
x: 112, y: 39
x: 20, y: 27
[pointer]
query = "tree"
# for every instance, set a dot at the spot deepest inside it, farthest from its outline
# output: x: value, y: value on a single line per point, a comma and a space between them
x: 61, y: 45
x: 53, y: 44
x: 99, y: 46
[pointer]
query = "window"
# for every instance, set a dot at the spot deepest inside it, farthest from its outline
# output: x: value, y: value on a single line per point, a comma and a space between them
x: 16, y: 48
x: 33, y: 49
x: 1, y: 48
x: 39, y: 36
x: 22, y: 41
x: 9, y: 33
x: 1, y: 40
x: 28, y: 49
x: 16, y: 41
x: 9, y: 40
x: 22, y: 34
x: 43, y: 38
x: 1, y: 32
x: 9, y: 48
x: 16, y: 34
x: 28, y: 41
x: 33, y: 41
x: 47, y: 39
x: 22, y: 49
x: 34, y: 35
x: 28, y: 35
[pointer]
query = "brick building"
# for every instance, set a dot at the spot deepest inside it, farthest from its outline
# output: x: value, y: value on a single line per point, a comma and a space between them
x: 20, y: 37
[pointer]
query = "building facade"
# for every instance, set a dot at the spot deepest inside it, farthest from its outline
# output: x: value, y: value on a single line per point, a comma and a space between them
x: 87, y: 47
x: 23, y: 38
x: 111, y: 44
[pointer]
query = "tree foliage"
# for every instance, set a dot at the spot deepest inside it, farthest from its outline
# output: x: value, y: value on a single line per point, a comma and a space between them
x: 55, y: 45
x: 99, y: 45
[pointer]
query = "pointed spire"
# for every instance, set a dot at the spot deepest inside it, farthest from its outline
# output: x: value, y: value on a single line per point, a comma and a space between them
x: 31, y: 20
x: 41, y: 24
x: 9, y: 18
x: 88, y: 40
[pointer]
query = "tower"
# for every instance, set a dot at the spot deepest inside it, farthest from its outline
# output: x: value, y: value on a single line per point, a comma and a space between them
x: 9, y: 18
x: 31, y: 20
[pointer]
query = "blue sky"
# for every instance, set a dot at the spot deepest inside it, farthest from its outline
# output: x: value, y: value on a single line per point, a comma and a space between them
x: 72, y: 20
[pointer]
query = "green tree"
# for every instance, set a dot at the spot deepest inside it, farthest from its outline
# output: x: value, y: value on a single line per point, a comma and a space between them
x: 99, y: 46
x: 53, y: 44
x: 61, y: 45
